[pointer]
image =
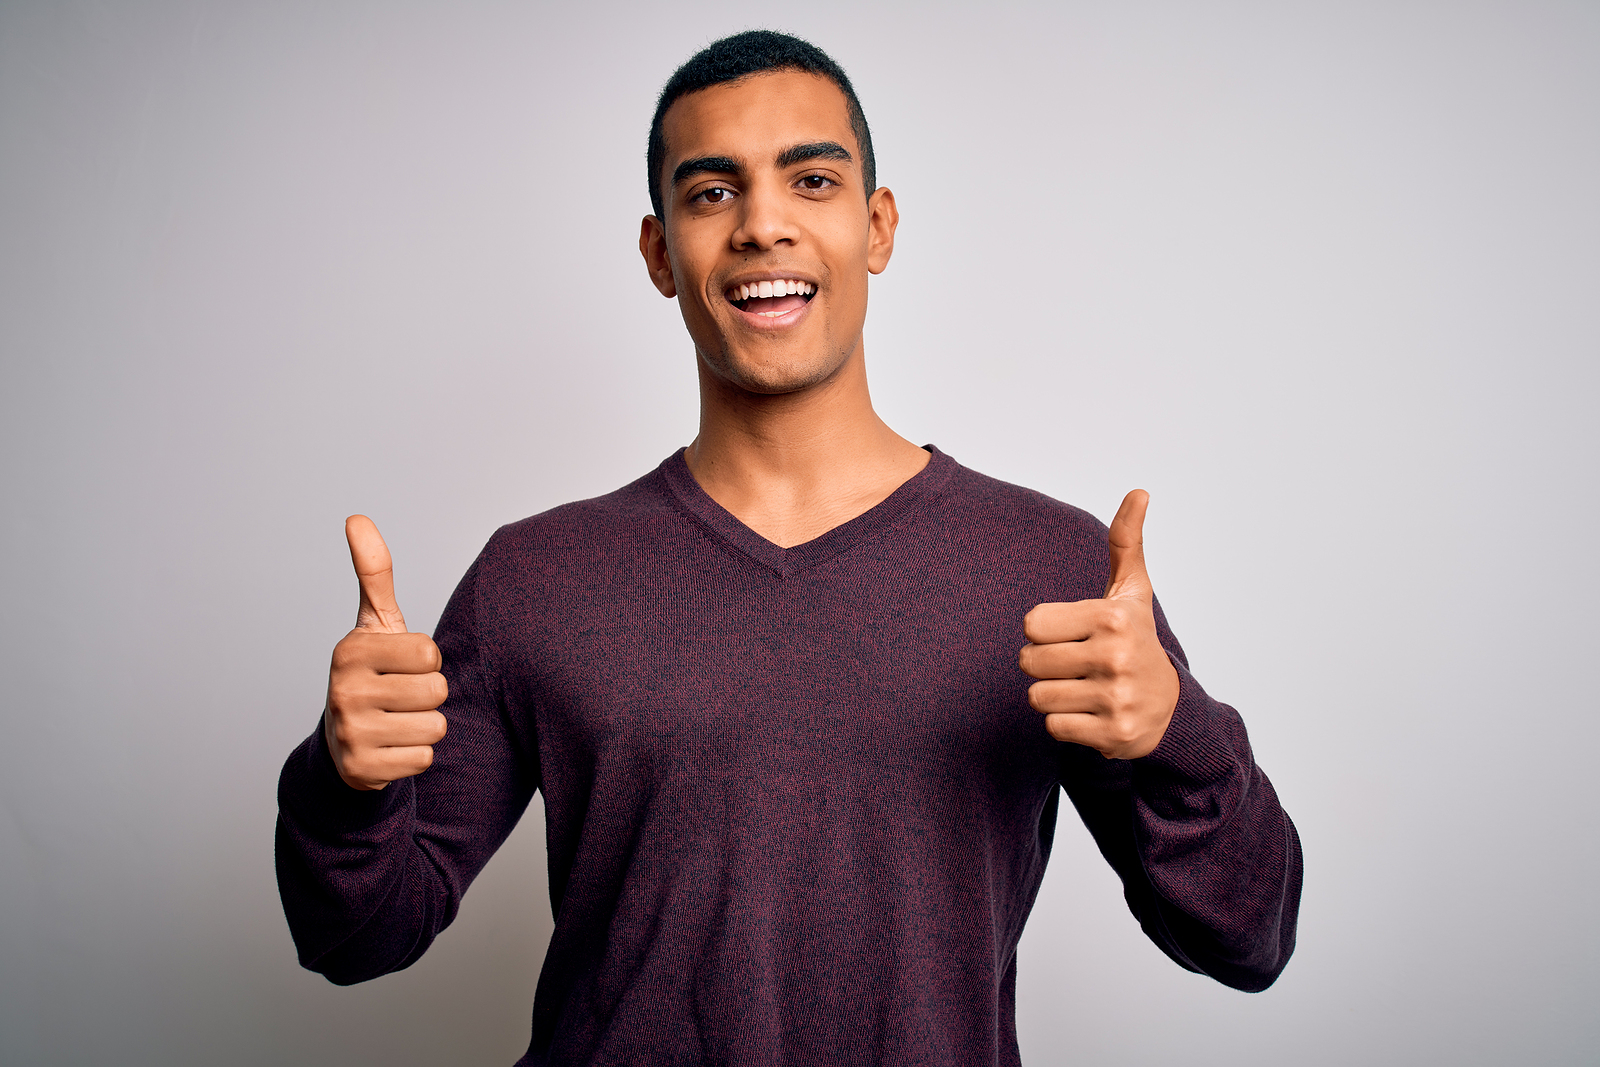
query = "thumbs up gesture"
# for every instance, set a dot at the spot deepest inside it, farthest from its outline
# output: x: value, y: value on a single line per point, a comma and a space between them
x: 384, y: 688
x: 1104, y: 679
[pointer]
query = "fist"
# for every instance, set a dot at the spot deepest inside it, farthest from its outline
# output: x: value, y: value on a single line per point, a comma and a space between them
x: 384, y: 688
x: 1104, y: 679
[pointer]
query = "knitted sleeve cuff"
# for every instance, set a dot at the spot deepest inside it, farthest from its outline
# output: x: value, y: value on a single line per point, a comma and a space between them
x: 1198, y: 745
x: 311, y: 791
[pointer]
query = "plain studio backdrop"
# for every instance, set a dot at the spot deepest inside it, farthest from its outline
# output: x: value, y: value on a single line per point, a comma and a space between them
x: 1323, y: 277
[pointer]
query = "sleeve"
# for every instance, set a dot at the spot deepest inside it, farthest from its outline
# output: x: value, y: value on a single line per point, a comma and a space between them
x: 369, y: 879
x: 1209, y: 861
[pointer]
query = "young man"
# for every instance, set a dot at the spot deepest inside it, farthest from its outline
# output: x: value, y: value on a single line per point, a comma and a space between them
x: 799, y: 794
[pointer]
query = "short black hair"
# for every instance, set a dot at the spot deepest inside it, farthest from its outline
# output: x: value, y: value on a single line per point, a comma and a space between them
x: 739, y: 56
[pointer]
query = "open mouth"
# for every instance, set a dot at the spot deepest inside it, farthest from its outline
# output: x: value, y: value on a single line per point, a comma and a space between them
x: 771, y: 299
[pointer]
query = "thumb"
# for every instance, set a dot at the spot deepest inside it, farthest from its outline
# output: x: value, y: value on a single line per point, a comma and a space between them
x: 375, y: 572
x: 1128, y: 577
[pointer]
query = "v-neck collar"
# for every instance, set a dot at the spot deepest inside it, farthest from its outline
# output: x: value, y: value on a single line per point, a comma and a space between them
x: 786, y: 562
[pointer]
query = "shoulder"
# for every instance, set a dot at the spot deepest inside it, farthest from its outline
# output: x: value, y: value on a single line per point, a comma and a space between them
x: 982, y: 490
x: 604, y: 533
x: 1000, y: 528
x: 1016, y: 509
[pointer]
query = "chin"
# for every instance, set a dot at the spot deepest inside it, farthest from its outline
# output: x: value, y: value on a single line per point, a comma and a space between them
x: 773, y: 377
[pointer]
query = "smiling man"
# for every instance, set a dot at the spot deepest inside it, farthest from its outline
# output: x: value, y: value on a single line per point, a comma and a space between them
x: 798, y: 785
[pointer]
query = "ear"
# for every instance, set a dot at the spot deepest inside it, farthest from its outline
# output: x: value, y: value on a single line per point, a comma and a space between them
x: 882, y: 218
x: 653, y: 247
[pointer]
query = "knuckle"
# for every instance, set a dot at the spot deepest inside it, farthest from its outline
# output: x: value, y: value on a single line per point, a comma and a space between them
x: 418, y: 660
x: 357, y: 736
x: 344, y: 655
x: 343, y: 735
x: 355, y: 695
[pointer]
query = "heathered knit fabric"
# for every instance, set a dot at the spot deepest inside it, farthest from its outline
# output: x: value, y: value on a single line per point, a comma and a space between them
x: 798, y: 806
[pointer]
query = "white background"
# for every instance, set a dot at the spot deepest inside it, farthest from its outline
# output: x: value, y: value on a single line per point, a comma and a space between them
x: 1323, y: 277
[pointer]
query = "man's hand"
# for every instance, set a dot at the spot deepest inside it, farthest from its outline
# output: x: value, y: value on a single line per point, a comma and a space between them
x: 1104, y: 679
x: 384, y: 688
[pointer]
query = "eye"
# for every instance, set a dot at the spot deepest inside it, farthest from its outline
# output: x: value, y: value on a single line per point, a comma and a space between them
x: 816, y: 182
x: 714, y: 194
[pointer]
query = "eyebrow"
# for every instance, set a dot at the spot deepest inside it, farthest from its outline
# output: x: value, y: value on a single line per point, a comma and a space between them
x: 803, y: 153
x: 706, y: 165
x: 794, y: 154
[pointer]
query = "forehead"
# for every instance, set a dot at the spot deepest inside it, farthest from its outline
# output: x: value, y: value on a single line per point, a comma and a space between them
x: 756, y: 117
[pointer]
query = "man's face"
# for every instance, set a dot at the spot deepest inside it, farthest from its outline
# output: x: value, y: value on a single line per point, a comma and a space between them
x: 762, y: 186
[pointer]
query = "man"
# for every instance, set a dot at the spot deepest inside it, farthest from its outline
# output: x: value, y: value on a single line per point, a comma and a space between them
x: 799, y: 795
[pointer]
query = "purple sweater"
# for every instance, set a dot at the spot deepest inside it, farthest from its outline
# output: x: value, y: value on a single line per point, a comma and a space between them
x: 797, y: 805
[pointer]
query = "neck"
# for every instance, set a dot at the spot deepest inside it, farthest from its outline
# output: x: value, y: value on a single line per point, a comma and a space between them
x: 795, y: 465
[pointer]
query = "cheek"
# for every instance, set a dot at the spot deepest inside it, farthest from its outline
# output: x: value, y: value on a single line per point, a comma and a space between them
x: 696, y: 306
x: 851, y: 293
x: 850, y: 267
x: 690, y: 283
x: 689, y: 271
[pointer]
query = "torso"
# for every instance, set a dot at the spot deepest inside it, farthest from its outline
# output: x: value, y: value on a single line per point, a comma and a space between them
x: 793, y: 795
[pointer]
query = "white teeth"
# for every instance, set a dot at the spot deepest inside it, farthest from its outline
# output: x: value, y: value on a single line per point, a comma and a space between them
x: 765, y: 290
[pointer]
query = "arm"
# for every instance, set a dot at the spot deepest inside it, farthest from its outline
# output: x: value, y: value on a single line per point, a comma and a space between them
x: 1209, y: 861
x: 369, y: 876
x: 1163, y: 775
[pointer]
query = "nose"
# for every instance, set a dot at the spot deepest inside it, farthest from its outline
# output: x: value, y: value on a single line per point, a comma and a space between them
x: 765, y: 219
